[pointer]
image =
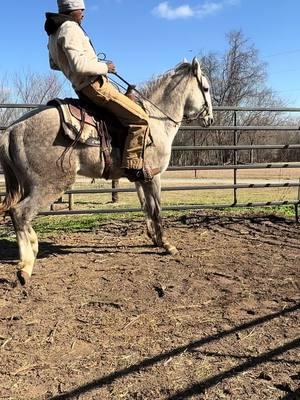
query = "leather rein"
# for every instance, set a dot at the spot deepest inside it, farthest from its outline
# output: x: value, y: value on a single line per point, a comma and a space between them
x: 186, y: 119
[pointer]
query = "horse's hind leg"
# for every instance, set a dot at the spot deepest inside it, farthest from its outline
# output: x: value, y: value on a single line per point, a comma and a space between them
x: 27, y: 243
x: 22, y: 214
x: 33, y: 240
x: 149, y: 195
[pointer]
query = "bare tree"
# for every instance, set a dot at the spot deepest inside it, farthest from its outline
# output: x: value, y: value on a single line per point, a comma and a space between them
x: 30, y: 88
x: 238, y: 75
x: 238, y: 78
x: 35, y: 88
x: 7, y: 115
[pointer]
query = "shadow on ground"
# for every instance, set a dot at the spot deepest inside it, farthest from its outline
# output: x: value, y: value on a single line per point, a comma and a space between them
x: 201, y: 386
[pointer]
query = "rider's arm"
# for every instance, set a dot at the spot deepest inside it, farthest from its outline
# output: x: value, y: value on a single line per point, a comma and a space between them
x: 79, y: 52
x: 52, y: 64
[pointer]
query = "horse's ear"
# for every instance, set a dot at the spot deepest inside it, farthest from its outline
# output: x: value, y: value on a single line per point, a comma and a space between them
x: 184, y: 60
x: 196, y: 67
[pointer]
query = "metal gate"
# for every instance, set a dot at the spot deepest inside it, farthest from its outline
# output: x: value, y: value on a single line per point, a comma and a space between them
x: 235, y: 186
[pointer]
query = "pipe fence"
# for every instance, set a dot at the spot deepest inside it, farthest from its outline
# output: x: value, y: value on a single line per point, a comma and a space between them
x: 235, y: 166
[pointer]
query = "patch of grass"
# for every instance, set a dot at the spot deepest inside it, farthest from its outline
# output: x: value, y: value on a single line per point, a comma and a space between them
x: 284, y: 211
x: 77, y: 223
x: 81, y: 223
x: 281, y: 211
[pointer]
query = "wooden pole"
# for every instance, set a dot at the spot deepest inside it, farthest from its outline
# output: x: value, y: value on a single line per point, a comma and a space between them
x: 115, y: 184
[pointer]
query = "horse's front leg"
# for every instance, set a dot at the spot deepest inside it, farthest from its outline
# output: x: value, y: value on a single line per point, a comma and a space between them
x: 149, y: 223
x: 149, y: 195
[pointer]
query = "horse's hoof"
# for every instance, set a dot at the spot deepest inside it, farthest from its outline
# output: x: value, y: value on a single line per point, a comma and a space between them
x: 23, y: 277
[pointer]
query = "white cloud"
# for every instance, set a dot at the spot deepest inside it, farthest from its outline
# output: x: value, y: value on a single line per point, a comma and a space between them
x: 209, y: 9
x: 164, y: 10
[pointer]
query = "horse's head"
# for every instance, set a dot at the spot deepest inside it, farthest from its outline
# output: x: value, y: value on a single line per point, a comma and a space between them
x: 198, y: 102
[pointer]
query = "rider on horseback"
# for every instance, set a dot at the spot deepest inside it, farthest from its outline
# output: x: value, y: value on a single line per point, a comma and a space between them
x: 71, y: 51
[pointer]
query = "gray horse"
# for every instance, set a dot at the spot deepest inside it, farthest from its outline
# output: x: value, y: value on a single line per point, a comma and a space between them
x: 30, y: 150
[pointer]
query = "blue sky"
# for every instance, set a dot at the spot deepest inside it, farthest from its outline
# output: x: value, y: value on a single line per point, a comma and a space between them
x: 145, y: 38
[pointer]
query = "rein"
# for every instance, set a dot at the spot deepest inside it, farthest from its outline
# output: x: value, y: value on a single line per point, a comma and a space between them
x: 145, y: 98
x: 188, y: 120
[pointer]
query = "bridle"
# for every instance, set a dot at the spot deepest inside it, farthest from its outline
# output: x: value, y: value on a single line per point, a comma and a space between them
x: 205, y: 107
x: 185, y: 119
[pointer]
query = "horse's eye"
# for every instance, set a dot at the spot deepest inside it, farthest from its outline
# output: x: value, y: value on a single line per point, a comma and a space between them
x: 205, y: 84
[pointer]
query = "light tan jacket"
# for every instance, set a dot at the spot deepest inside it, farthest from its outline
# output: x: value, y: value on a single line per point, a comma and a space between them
x: 71, y: 52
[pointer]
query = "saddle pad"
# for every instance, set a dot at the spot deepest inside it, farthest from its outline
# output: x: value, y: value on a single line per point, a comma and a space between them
x: 82, y: 132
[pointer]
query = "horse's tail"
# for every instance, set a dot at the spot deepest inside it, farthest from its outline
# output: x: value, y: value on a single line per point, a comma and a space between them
x: 14, y: 188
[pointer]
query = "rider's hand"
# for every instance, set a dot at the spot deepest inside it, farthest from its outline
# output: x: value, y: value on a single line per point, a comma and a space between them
x: 130, y: 93
x: 111, y: 67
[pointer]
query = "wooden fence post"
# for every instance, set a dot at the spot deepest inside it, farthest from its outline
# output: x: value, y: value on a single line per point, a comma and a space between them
x: 115, y: 184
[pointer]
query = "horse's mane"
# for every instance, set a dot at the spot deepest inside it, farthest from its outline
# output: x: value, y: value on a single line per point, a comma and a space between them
x: 149, y: 87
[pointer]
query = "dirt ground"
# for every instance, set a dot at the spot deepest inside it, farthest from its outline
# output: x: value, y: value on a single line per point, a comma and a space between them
x: 108, y: 316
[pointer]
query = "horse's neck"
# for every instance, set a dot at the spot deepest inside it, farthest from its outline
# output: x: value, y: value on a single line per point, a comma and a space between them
x: 171, y: 98
x: 171, y: 104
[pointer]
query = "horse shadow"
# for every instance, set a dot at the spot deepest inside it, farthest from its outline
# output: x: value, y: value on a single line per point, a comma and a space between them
x: 9, y: 253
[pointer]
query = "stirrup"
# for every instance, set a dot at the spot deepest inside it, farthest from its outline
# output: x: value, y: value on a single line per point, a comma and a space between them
x: 144, y: 174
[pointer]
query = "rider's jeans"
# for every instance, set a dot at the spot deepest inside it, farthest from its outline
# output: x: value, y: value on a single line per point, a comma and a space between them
x: 102, y: 93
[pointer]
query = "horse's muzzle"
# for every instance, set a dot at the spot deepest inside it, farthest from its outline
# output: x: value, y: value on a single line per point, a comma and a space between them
x: 207, y: 121
x: 210, y: 120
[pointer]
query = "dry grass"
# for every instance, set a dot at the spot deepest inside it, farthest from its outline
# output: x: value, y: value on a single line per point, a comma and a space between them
x: 266, y: 174
x: 190, y: 197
